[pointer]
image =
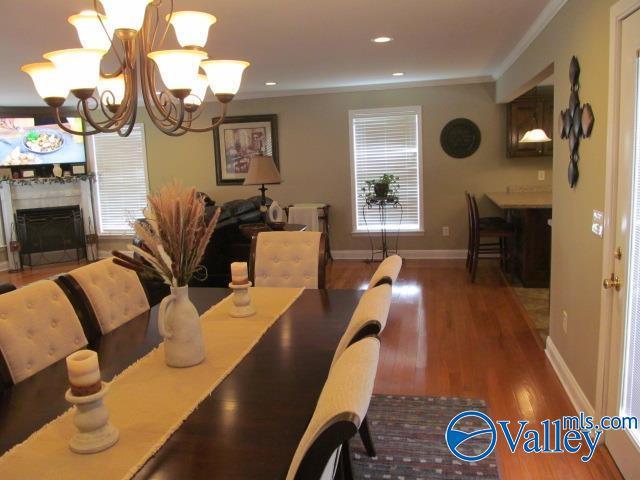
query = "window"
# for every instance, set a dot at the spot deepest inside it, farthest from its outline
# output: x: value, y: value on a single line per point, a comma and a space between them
x: 387, y: 140
x: 120, y: 164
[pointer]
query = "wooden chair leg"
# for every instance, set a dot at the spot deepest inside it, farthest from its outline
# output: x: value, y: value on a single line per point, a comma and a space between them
x: 503, y: 254
x: 345, y: 461
x: 474, y: 263
x: 367, y: 441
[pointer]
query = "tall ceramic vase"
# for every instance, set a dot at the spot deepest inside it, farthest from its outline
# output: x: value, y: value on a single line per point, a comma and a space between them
x: 179, y: 324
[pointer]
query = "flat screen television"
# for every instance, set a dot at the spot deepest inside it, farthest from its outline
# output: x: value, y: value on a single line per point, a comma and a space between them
x: 33, y: 141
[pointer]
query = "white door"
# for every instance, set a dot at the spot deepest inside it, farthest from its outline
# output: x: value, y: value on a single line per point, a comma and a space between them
x: 623, y: 395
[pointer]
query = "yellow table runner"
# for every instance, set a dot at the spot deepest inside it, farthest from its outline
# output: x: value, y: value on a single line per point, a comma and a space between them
x: 149, y: 401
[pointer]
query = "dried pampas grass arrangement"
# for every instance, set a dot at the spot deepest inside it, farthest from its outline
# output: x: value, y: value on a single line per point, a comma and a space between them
x: 174, y: 236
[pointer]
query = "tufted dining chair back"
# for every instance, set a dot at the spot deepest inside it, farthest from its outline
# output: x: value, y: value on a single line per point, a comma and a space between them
x: 369, y: 318
x: 387, y: 271
x: 342, y: 406
x: 38, y: 327
x: 112, y: 294
x: 288, y: 259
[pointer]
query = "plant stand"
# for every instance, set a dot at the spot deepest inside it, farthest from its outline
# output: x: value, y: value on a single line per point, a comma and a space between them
x: 382, y: 204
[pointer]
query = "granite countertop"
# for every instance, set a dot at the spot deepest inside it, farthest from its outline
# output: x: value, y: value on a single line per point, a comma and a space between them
x: 521, y: 200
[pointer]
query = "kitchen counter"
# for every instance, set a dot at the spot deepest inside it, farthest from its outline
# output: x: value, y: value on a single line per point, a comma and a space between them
x: 521, y: 200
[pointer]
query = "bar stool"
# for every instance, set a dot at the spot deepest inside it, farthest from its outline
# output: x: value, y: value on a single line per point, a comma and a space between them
x: 487, y: 227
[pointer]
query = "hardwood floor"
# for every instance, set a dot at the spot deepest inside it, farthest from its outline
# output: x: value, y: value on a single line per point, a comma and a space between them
x: 448, y: 337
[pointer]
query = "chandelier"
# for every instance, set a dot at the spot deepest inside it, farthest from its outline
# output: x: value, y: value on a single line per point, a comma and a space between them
x: 133, y: 30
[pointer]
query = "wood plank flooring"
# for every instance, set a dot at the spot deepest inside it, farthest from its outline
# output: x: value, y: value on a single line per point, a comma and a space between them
x: 448, y: 337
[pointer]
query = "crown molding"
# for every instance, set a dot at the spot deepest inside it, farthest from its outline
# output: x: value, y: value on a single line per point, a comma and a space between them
x: 536, y: 28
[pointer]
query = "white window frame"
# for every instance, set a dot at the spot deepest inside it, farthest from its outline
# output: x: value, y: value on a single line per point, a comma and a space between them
x: 96, y: 190
x: 417, y: 109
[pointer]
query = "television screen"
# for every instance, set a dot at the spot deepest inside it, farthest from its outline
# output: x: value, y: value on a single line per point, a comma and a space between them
x: 33, y: 141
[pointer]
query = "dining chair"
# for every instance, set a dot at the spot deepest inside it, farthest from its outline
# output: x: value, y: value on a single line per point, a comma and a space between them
x: 38, y: 327
x: 369, y: 318
x: 343, y: 403
x: 111, y: 295
x: 288, y: 259
x: 387, y: 271
x: 489, y: 227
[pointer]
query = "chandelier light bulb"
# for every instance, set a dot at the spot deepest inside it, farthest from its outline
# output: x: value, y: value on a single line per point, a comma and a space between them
x: 125, y: 14
x: 79, y: 68
x: 115, y: 85
x: 47, y: 81
x: 178, y: 69
x: 192, y: 28
x: 198, y: 91
x: 224, y: 76
x: 90, y: 30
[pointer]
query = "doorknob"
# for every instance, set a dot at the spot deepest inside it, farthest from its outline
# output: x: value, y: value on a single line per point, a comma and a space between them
x: 613, y: 282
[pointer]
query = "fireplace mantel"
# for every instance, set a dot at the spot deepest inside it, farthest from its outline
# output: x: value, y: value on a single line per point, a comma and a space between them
x: 37, y: 194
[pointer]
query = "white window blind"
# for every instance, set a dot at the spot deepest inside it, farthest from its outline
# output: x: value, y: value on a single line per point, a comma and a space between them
x: 387, y: 140
x: 120, y: 164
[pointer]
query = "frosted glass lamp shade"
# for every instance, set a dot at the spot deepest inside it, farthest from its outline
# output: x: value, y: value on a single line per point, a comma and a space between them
x: 47, y: 81
x: 224, y: 76
x: 116, y: 87
x: 90, y: 31
x: 537, y: 135
x: 262, y: 171
x: 198, y: 91
x: 125, y: 14
x: 79, y: 68
x: 178, y: 69
x: 192, y: 28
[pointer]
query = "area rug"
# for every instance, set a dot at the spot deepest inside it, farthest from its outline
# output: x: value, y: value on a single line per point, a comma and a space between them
x: 408, y: 434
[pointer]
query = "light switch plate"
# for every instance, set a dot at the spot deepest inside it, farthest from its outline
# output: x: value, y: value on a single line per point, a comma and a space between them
x: 597, y: 225
x: 541, y: 175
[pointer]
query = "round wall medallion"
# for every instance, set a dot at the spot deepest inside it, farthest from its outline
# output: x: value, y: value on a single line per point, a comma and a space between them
x: 460, y: 138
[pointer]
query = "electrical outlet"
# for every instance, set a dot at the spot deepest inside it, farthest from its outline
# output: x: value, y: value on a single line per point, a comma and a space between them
x: 565, y: 320
x: 445, y: 231
x: 541, y: 175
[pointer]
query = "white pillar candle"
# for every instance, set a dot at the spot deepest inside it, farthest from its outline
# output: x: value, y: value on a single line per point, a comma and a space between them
x: 239, y: 273
x: 83, y: 368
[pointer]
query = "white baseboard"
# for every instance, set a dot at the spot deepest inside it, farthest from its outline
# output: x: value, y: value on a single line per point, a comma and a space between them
x: 413, y: 254
x: 4, y: 266
x: 576, y: 395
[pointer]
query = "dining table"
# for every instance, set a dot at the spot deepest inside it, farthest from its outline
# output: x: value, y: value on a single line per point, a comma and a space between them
x: 248, y: 427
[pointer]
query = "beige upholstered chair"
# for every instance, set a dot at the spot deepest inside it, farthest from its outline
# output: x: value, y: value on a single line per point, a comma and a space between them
x: 369, y: 317
x: 342, y: 405
x: 38, y: 327
x: 288, y: 259
x: 387, y: 271
x: 114, y: 293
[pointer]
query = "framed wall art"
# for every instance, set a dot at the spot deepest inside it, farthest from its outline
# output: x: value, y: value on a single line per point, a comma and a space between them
x: 240, y: 138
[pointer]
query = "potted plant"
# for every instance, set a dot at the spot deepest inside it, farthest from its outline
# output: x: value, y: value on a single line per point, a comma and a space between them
x: 174, y: 235
x: 383, y: 187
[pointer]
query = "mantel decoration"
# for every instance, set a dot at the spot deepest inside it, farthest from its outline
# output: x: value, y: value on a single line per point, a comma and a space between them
x: 87, y: 177
x: 133, y: 31
x: 460, y: 138
x: 575, y: 123
x: 174, y: 236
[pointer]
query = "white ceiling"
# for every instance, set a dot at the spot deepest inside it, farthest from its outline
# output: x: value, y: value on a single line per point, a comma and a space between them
x: 305, y: 45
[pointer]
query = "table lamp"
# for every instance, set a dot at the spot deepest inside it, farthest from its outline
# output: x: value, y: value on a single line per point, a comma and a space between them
x: 262, y: 171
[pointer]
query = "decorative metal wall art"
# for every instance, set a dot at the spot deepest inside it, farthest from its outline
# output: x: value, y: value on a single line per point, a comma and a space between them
x: 460, y: 138
x: 575, y: 123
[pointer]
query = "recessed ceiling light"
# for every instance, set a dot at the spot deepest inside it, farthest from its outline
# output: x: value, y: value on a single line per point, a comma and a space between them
x: 270, y: 84
x: 382, y: 40
x: 397, y: 74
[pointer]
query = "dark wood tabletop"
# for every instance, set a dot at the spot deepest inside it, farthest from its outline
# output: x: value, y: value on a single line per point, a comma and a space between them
x: 251, y: 424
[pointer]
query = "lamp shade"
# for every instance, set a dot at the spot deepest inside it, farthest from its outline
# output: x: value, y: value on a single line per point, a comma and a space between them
x: 91, y: 31
x: 125, y: 14
x: 178, y: 68
x: 537, y: 135
x: 116, y: 87
x: 198, y: 91
x: 262, y: 171
x: 224, y: 76
x: 79, y: 68
x: 192, y: 28
x: 46, y: 79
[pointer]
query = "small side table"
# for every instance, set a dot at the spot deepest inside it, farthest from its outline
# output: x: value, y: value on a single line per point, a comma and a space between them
x: 382, y: 204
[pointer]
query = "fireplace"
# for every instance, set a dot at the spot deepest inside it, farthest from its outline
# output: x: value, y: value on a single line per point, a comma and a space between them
x: 50, y: 235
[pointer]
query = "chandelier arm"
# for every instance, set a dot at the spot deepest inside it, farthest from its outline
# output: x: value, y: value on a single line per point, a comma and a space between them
x: 213, y: 126
x: 113, y: 47
x: 81, y: 133
x: 166, y: 30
